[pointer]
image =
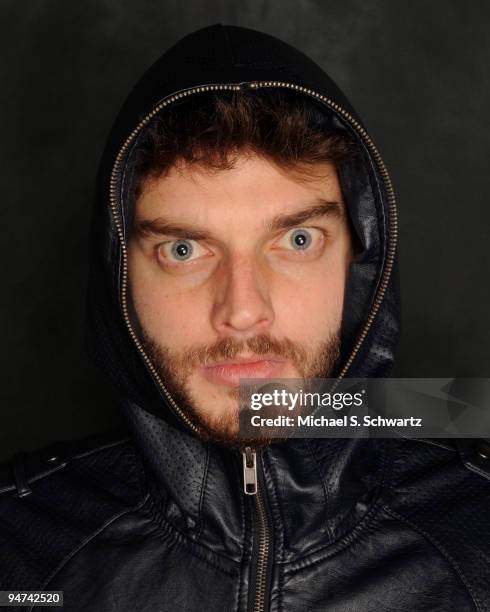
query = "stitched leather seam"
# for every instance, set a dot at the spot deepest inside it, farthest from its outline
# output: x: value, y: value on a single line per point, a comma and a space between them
x: 198, y: 550
x: 454, y: 564
x: 431, y: 442
x: 13, y: 488
x: 335, y: 547
x: 167, y: 528
x: 345, y: 540
x: 203, y: 491
x: 477, y: 470
x: 64, y: 464
x: 159, y: 520
x: 103, y: 447
x: 86, y: 541
x: 324, y: 484
x: 403, y: 477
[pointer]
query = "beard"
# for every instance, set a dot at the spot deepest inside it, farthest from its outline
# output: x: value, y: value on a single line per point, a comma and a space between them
x: 175, y: 369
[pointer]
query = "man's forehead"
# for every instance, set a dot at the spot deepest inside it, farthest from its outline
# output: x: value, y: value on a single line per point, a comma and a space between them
x: 251, y: 189
x: 246, y: 166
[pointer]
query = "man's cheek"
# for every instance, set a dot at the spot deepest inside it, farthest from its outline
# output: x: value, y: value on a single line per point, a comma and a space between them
x: 178, y: 323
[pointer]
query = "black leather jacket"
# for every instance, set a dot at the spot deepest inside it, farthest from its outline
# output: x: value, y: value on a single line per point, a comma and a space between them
x: 154, y: 519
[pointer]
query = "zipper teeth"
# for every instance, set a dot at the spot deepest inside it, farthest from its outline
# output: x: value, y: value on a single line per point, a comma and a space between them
x: 263, y: 555
x: 393, y: 223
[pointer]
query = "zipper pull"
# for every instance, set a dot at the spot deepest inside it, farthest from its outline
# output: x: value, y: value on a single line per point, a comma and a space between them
x: 249, y: 471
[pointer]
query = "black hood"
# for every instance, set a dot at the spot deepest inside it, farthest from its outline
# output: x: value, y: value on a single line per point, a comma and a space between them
x: 228, y: 55
x: 189, y: 469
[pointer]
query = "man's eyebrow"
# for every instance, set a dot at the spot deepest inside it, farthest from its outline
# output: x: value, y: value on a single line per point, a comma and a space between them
x: 162, y: 227
x: 322, y: 208
x: 166, y: 227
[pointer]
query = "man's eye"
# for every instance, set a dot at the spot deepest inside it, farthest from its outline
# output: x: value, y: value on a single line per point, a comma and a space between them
x: 301, y: 239
x: 181, y: 250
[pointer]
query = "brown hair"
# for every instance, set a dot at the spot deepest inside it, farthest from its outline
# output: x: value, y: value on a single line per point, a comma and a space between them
x: 211, y: 129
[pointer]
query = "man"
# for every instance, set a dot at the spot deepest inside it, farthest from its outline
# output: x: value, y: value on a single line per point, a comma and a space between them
x: 245, y: 226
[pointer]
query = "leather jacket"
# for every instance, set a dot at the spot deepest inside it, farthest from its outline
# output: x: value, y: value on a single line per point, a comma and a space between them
x: 152, y: 518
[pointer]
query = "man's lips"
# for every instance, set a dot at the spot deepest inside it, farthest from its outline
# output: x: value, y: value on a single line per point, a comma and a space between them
x: 229, y: 372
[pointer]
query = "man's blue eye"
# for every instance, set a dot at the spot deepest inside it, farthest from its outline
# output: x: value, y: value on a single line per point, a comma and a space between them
x: 300, y: 239
x: 182, y: 250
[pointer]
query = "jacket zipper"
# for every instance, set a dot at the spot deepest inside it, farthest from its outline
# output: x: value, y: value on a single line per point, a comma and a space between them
x: 249, y: 455
x: 251, y: 487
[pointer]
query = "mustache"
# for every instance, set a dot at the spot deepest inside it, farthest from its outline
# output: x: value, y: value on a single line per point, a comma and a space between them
x: 221, y: 350
x: 178, y: 365
x: 229, y: 348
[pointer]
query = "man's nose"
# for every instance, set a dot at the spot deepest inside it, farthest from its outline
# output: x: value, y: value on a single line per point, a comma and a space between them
x: 242, y: 302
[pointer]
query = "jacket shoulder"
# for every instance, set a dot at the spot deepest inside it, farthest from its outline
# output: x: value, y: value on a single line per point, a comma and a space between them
x: 53, y: 499
x: 443, y: 493
x: 24, y: 468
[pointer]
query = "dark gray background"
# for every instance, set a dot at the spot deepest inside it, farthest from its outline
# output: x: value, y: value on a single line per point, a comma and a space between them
x: 416, y: 71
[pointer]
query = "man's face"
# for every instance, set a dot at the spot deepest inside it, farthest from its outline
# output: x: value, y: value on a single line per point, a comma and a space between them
x: 237, y: 273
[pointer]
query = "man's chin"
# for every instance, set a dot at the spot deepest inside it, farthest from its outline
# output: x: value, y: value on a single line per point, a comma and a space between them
x: 224, y: 430
x: 220, y: 427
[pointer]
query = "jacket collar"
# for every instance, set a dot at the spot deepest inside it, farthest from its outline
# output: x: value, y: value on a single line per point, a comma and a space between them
x: 316, y: 490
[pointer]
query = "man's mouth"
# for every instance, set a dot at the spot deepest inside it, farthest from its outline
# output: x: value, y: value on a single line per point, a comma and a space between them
x: 229, y: 372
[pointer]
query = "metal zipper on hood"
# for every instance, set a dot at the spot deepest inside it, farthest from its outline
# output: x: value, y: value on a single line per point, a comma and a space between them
x: 250, y: 465
x: 116, y: 169
x: 393, y: 224
x: 251, y: 487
